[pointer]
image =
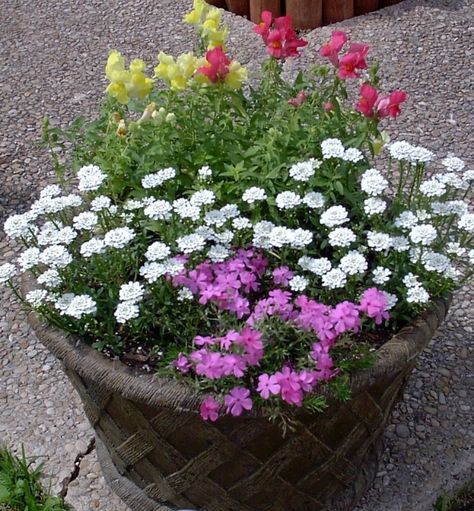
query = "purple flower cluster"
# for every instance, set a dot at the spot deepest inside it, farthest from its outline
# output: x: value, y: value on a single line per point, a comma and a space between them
x: 230, y: 285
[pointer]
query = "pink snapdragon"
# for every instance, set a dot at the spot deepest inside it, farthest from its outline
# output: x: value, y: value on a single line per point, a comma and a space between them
x: 238, y: 400
x: 280, y: 38
x: 372, y: 105
x: 353, y: 61
x: 217, y: 65
x: 332, y: 49
x: 389, y: 106
x: 298, y: 100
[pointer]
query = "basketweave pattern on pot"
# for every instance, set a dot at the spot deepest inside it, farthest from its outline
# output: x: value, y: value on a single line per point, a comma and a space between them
x: 271, y: 481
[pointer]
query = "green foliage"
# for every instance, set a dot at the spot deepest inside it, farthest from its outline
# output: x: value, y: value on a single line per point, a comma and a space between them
x: 20, y: 486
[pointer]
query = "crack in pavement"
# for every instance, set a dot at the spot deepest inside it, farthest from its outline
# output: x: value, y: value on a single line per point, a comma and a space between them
x: 77, y: 468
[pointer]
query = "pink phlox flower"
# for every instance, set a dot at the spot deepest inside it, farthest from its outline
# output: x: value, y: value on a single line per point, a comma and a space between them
x: 249, y: 280
x: 367, y: 100
x: 233, y: 365
x: 182, y: 363
x: 234, y: 265
x: 250, y: 339
x: 353, y: 61
x: 230, y: 338
x: 264, y: 26
x: 209, y: 409
x: 207, y: 340
x: 268, y: 385
x: 237, y: 304
x: 374, y: 304
x: 310, y: 312
x: 197, y: 355
x: 210, y: 366
x: 200, y: 280
x: 344, y: 317
x: 237, y: 401
x: 228, y: 280
x: 324, y: 329
x: 282, y: 275
x: 389, y: 106
x: 324, y: 362
x: 210, y: 293
x: 298, y: 100
x: 290, y: 385
x: 307, y: 380
x: 217, y: 65
x: 332, y: 49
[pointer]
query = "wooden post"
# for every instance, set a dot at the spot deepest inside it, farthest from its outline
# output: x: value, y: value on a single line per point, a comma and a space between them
x: 240, y: 7
x: 258, y: 6
x: 386, y: 3
x: 217, y: 3
x: 337, y: 10
x: 365, y: 6
x: 305, y: 14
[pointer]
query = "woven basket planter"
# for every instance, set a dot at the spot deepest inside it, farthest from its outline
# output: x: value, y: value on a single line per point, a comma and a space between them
x: 159, y: 455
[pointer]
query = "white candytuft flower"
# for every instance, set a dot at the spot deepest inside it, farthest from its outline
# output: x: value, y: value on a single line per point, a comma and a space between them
x: 332, y: 148
x: 90, y: 178
x: 92, y: 247
x: 353, y: 155
x: 37, y: 297
x: 406, y: 220
x: 301, y: 238
x: 453, y: 180
x: 51, y: 234
x: 314, y: 200
x: 50, y: 191
x: 411, y: 280
x: 173, y: 266
x: 391, y: 300
x: 29, y: 258
x: 55, y: 256
x: 119, y: 237
x: 466, y: 222
x: 158, y: 178
x: 378, y: 241
x: 433, y: 261
x: 62, y: 302
x: 81, y: 305
x: 157, y: 251
x: 341, y: 237
x: 17, y: 226
x: 126, y: 311
x: 298, y: 283
x: 191, y: 243
x: 335, y: 215
x: 218, y: 253
x: 215, y: 217
x: 468, y: 175
x: 381, y: 275
x: 152, y: 271
x: 334, y: 279
x: 241, y: 223
x: 454, y: 248
x: 224, y: 238
x: 185, y: 209
x: 374, y: 206
x: 373, y: 183
x: 158, y: 210
x: 280, y: 236
x: 100, y: 202
x: 400, y: 243
x: 417, y: 295
x: 262, y: 232
x: 50, y: 278
x: 453, y: 163
x: 85, y: 221
x: 400, y: 150
x: 318, y: 266
x: 7, y: 272
x: 184, y: 294
x: 424, y: 234
x: 304, y: 170
x: 353, y: 263
x: 131, y: 292
x: 287, y: 200
x: 230, y: 211
x: 433, y: 188
x: 254, y: 194
x: 203, y: 198
x: 205, y: 173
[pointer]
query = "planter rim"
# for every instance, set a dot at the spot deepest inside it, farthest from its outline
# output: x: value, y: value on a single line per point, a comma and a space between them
x: 115, y: 376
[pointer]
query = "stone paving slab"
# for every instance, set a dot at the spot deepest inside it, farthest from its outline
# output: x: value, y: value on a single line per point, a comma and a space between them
x: 51, y: 62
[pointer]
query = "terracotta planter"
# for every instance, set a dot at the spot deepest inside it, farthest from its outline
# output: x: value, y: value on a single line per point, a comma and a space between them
x: 365, y: 6
x: 337, y: 10
x: 157, y: 453
x: 306, y: 14
x: 386, y: 3
x: 240, y: 7
x: 217, y: 3
x: 258, y: 6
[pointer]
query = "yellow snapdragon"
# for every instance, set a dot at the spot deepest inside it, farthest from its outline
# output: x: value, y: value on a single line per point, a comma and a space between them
x: 207, y: 19
x: 177, y: 73
x: 236, y: 76
x: 200, y: 7
x: 126, y: 84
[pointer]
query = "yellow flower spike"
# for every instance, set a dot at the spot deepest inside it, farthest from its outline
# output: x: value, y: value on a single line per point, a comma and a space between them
x: 217, y: 38
x: 137, y: 66
x: 115, y: 63
x: 236, y: 76
x: 195, y: 16
x: 176, y: 74
x: 119, y: 92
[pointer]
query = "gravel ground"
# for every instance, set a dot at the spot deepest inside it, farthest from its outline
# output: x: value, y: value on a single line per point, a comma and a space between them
x: 52, y: 56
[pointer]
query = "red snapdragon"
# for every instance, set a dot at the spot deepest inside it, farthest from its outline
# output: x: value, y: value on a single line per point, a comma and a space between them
x: 372, y: 105
x: 217, y: 66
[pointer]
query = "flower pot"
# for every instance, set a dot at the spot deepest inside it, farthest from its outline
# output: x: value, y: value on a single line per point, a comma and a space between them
x: 337, y: 10
x: 306, y: 14
x: 258, y: 6
x: 365, y: 6
x: 387, y: 3
x: 157, y: 453
x: 240, y: 7
x: 217, y: 3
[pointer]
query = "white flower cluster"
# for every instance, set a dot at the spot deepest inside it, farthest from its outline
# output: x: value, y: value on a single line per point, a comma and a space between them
x: 90, y: 178
x: 267, y: 235
x: 287, y: 200
x: 332, y: 148
x: 304, y: 170
x: 158, y: 178
x: 335, y: 215
x: 373, y: 183
x: 254, y: 194
x: 414, y: 154
x: 416, y: 293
